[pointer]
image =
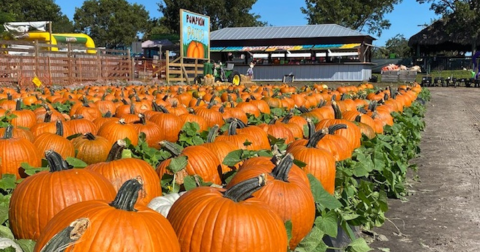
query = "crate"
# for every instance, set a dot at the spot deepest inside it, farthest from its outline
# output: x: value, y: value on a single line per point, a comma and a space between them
x: 390, y: 76
x: 407, y: 76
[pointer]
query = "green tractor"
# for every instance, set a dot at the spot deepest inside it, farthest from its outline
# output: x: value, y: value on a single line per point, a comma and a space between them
x: 221, y: 72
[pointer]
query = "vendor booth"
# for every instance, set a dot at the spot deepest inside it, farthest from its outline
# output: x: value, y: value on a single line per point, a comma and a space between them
x: 326, y: 52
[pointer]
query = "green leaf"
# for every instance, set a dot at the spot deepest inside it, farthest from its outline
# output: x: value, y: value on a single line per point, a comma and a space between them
x: 26, y: 244
x: 76, y: 163
x: 233, y: 158
x: 189, y: 182
x: 3, y: 214
x: 312, y: 242
x: 6, y: 232
x: 30, y: 170
x: 178, y: 163
x: 9, y: 249
x: 289, y: 227
x: 328, y: 223
x: 322, y: 197
x: 196, y: 140
x: 299, y: 163
x: 127, y: 153
x: 8, y: 182
x: 358, y: 245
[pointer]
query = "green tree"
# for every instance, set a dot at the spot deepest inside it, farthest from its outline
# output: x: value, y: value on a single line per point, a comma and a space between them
x: 361, y: 15
x: 222, y: 13
x: 398, y: 45
x: 111, y: 22
x: 465, y: 15
x: 36, y: 10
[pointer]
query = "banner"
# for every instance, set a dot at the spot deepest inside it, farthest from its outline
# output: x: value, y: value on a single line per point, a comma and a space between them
x: 194, y: 35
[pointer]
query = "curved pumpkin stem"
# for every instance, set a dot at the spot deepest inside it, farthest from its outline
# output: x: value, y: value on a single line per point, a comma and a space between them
x: 8, y: 132
x: 333, y: 128
x: 68, y: 236
x: 232, y: 129
x: 315, y: 138
x: 171, y: 147
x: 132, y: 108
x: 127, y: 195
x: 116, y: 150
x: 282, y: 169
x: 59, y: 128
x: 212, y: 134
x: 336, y: 109
x: 55, y: 161
x: 245, y: 189
x: 163, y: 109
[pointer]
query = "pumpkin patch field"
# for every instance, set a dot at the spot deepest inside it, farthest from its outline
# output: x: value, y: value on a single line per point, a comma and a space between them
x: 202, y: 168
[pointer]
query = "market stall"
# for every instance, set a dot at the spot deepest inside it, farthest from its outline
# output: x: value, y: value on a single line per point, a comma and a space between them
x: 325, y: 52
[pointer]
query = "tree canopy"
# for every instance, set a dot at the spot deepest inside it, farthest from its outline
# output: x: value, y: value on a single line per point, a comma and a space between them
x: 362, y: 15
x: 223, y: 13
x: 35, y: 10
x: 111, y: 22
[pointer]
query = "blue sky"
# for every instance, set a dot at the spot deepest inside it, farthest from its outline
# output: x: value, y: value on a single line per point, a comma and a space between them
x: 405, y: 18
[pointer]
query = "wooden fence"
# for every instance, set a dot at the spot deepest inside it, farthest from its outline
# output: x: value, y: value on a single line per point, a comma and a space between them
x: 21, y: 61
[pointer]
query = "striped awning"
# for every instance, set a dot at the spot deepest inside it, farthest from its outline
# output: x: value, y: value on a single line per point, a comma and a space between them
x: 280, y: 48
x: 217, y: 49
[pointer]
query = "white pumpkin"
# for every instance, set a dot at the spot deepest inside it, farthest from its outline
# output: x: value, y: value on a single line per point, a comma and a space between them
x: 162, y: 204
x: 6, y: 243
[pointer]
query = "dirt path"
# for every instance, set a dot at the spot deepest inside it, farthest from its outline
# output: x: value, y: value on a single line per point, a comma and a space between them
x: 443, y: 212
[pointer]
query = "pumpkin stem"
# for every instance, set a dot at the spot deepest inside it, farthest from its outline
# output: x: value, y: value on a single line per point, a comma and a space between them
x: 59, y: 128
x: 245, y: 189
x: 48, y: 116
x: 321, y: 103
x: 212, y: 134
x: 333, y: 128
x: 124, y: 102
x: 18, y: 104
x: 143, y: 120
x: 287, y: 117
x: 127, y: 195
x: 163, y: 109
x: 336, y: 109
x: 213, y: 98
x: 171, y: 147
x: 155, y: 106
x: 8, y: 132
x: 273, y: 121
x: 221, y: 109
x: 116, y: 150
x: 132, y: 108
x: 358, y: 118
x: 108, y: 114
x: 55, y: 161
x: 232, y: 129
x: 311, y: 127
x: 68, y: 236
x: 372, y: 106
x: 315, y: 138
x: 90, y: 136
x: 198, y: 102
x: 9, y: 96
x: 282, y: 169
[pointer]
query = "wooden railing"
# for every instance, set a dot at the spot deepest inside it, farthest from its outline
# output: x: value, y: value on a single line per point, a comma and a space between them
x: 21, y: 61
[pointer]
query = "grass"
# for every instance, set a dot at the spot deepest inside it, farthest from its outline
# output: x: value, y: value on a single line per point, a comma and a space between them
x: 444, y: 73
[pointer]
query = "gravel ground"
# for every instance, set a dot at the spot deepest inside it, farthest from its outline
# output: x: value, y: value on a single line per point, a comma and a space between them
x: 442, y: 212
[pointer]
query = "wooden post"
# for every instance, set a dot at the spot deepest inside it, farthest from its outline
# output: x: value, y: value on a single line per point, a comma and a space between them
x: 167, y: 67
x: 49, y: 71
x: 99, y: 66
x: 70, y: 66
x: 130, y: 65
x: 196, y: 68
x: 36, y: 58
x: 181, y: 67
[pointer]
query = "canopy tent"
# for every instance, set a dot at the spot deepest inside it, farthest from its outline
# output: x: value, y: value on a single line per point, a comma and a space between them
x: 24, y: 27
